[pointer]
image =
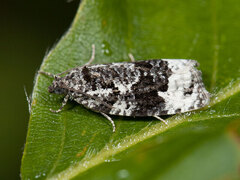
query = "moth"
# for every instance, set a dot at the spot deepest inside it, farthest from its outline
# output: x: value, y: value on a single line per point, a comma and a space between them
x: 153, y: 87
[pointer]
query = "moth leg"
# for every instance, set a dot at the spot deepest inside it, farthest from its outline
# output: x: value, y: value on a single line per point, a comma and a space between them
x: 131, y: 57
x: 63, y: 104
x: 157, y: 117
x: 92, y: 57
x: 110, y: 119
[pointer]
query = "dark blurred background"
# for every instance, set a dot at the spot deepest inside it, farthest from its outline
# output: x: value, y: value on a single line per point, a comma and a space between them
x: 27, y: 30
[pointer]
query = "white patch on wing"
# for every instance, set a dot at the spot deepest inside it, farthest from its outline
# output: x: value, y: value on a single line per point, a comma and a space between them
x: 122, y: 87
x: 120, y: 108
x: 183, y: 74
x: 100, y: 92
x: 97, y: 66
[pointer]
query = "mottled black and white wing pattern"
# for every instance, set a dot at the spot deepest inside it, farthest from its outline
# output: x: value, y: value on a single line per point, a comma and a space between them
x: 142, y: 88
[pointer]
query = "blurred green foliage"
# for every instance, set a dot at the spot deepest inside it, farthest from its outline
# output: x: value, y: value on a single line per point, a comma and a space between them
x: 78, y: 143
x: 27, y: 30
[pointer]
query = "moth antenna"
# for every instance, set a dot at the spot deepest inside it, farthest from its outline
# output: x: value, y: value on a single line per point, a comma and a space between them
x: 47, y: 74
x: 88, y: 63
x: 64, y: 72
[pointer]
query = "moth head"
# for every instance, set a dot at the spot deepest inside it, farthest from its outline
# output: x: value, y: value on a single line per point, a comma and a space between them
x: 57, y: 87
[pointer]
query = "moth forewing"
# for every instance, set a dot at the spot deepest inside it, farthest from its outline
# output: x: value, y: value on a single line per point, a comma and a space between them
x: 138, y: 88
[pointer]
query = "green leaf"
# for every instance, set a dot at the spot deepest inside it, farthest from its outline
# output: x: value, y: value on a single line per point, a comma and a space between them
x: 78, y: 143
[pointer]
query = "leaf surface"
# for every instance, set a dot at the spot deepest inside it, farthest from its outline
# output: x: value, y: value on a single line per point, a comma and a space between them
x: 78, y: 143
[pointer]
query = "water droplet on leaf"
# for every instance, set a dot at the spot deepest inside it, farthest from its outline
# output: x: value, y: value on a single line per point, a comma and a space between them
x: 106, y: 48
x: 123, y: 173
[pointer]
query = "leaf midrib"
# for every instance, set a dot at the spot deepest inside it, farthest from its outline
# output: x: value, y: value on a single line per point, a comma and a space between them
x: 146, y: 133
x: 60, y: 149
